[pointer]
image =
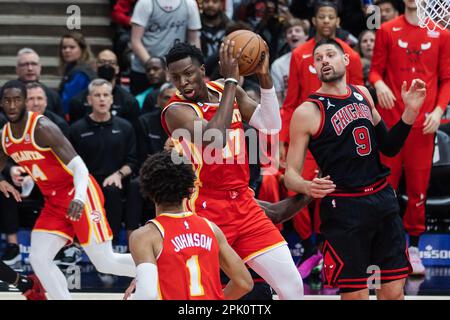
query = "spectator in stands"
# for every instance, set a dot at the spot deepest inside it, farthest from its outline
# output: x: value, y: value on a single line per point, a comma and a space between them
x: 124, y: 104
x: 37, y: 102
x: 388, y: 10
x: 107, y: 144
x: 121, y: 17
x: 157, y: 75
x: 296, y: 32
x: 28, y: 69
x: 76, y: 65
x: 151, y: 135
x: 366, y: 43
x: 156, y: 26
x: 270, y: 28
x: 214, y: 21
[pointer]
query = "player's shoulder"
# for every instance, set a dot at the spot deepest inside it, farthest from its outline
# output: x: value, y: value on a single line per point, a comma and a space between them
x: 146, y: 234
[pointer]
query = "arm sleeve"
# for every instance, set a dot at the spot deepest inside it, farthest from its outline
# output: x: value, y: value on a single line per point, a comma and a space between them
x: 194, y: 22
x: 292, y: 97
x: 80, y: 178
x: 444, y: 72
x: 146, y: 282
x: 277, y: 78
x: 390, y: 142
x: 267, y: 114
x: 142, y: 12
x: 379, y: 59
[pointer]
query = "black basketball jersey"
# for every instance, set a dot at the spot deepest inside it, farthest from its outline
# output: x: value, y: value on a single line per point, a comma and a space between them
x: 345, y: 147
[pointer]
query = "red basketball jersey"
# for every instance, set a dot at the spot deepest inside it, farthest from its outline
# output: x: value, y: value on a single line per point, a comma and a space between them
x: 226, y: 169
x: 51, y: 175
x: 188, y: 265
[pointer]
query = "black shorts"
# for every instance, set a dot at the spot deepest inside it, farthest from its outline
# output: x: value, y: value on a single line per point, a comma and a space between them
x: 364, y: 240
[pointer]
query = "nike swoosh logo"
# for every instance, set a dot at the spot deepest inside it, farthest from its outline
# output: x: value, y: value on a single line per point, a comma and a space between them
x: 8, y: 145
x: 396, y: 29
x: 305, y: 56
x: 312, y: 69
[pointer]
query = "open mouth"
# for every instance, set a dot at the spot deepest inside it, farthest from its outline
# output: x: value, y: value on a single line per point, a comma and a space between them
x: 189, y: 93
x: 327, y: 69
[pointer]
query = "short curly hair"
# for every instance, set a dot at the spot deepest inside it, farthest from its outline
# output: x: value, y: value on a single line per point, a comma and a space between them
x: 165, y: 182
x: 183, y: 50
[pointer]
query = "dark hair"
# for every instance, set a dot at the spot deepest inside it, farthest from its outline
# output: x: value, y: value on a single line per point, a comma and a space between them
x: 161, y: 60
x: 15, y: 84
x: 328, y: 41
x: 86, y: 53
x: 322, y: 4
x: 392, y: 2
x: 183, y: 50
x: 165, y: 182
x: 35, y: 85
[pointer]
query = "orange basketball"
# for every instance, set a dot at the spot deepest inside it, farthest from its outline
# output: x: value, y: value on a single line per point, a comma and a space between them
x: 253, y: 50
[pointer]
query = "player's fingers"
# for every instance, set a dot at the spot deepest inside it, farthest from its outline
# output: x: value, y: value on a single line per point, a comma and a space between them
x: 16, y: 195
x: 404, y: 87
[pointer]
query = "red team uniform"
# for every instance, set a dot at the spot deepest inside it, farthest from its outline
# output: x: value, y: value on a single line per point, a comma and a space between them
x: 403, y: 52
x: 189, y: 241
x: 222, y: 193
x: 303, y: 81
x: 55, y: 182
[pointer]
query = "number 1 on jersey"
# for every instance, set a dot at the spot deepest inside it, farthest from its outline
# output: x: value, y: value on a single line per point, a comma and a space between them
x: 195, y: 277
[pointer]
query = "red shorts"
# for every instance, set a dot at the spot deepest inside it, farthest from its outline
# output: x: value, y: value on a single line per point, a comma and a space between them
x: 247, y: 228
x: 92, y: 224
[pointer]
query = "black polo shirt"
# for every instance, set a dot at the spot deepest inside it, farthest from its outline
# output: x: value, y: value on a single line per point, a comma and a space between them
x: 104, y: 146
x: 124, y: 106
x: 151, y: 135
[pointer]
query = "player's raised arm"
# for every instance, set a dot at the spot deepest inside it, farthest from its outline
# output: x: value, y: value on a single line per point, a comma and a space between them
x: 241, y: 281
x: 48, y: 135
x: 391, y: 141
x: 266, y: 115
x: 304, y: 124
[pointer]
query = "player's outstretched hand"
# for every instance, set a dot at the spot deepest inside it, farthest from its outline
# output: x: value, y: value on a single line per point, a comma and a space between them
x: 229, y: 67
x: 415, y: 96
x: 7, y: 189
x: 75, y: 210
x: 320, y: 187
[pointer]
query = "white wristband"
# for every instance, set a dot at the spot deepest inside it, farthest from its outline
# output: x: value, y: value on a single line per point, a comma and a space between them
x: 232, y: 80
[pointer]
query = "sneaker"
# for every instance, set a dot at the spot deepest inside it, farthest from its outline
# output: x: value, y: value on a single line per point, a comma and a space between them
x: 307, y: 266
x: 12, y: 254
x: 71, y: 256
x: 37, y: 292
x: 418, y: 268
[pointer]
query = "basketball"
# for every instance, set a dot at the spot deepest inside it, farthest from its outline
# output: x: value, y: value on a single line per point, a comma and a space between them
x: 253, y: 47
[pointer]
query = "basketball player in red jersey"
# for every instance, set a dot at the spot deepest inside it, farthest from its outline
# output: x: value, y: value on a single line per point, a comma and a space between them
x: 404, y: 51
x: 364, y: 237
x: 179, y: 254
x: 222, y: 194
x: 73, y: 200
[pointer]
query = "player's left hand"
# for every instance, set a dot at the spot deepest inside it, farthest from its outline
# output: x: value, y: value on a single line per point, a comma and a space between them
x: 432, y: 121
x: 264, y: 67
x: 7, y: 189
x: 130, y: 290
x: 114, y: 179
x: 415, y: 96
x: 75, y: 210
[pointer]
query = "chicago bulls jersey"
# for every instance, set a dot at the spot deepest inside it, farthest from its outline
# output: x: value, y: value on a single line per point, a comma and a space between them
x: 53, y: 178
x: 225, y: 169
x: 188, y: 265
x: 345, y: 147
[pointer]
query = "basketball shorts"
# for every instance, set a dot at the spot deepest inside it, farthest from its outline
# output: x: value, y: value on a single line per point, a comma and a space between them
x: 92, y: 225
x: 247, y: 228
x: 365, y: 242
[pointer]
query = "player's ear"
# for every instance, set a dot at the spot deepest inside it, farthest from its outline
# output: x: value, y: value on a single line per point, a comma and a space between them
x: 346, y: 59
x: 338, y: 22
x: 89, y: 99
x: 314, y: 21
x: 203, y: 70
